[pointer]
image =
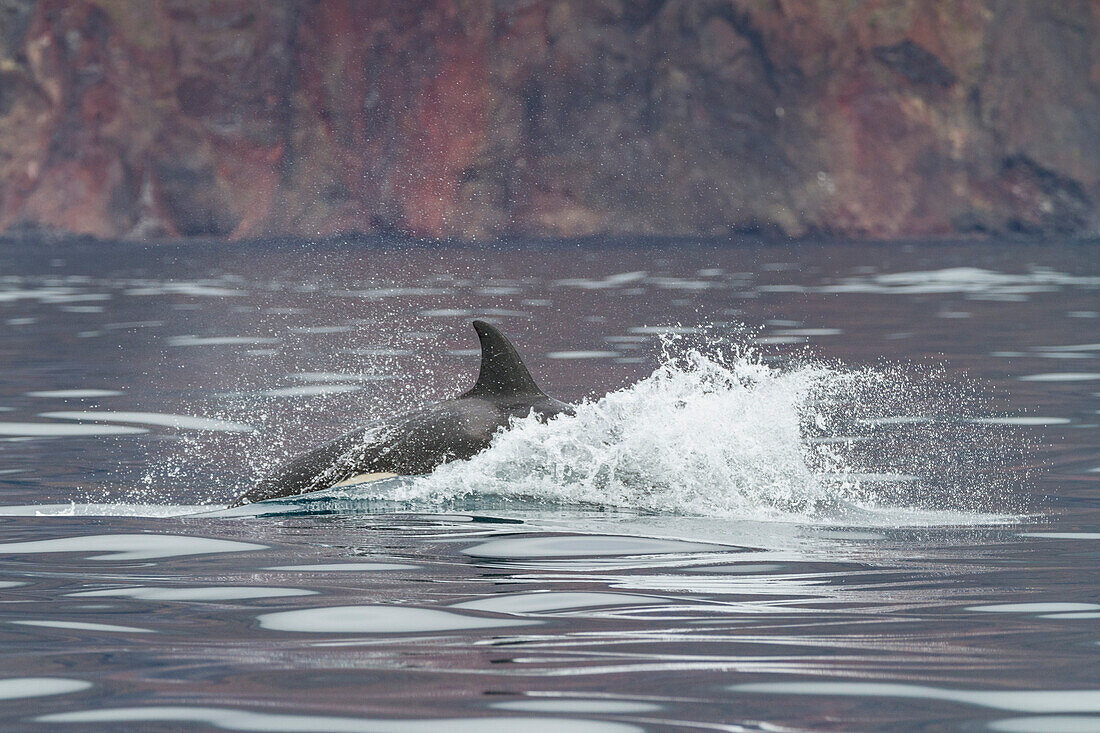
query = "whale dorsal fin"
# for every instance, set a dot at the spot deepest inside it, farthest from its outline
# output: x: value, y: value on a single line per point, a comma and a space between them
x: 502, y: 371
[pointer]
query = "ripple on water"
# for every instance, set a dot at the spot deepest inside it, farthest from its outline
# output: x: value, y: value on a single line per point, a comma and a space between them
x: 309, y: 390
x: 206, y: 593
x: 14, y: 688
x: 220, y: 340
x: 244, y: 720
x: 1069, y: 347
x: 344, y: 567
x: 1044, y: 610
x: 555, y: 601
x: 379, y: 620
x: 1022, y: 420
x: 573, y: 355
x: 321, y: 330
x: 72, y: 509
x: 1048, y: 724
x: 62, y: 430
x: 1063, y: 535
x: 186, y: 422
x: 187, y: 288
x: 130, y: 546
x: 75, y: 393
x: 521, y: 548
x: 340, y: 377
x: 1061, y: 377
x: 1023, y: 701
x: 809, y: 332
x: 85, y: 626
x: 564, y: 705
x: 778, y: 340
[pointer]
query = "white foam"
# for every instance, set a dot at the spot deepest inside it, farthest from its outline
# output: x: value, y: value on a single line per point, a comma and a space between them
x: 714, y: 434
x: 698, y: 436
x: 723, y: 435
x: 130, y: 546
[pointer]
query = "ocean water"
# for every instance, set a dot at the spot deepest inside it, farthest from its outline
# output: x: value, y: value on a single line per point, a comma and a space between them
x: 820, y: 487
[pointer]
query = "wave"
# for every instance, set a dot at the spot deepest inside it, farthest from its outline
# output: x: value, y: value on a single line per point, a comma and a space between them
x: 718, y: 431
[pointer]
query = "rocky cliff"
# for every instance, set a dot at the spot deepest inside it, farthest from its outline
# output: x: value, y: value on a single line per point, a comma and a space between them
x: 486, y: 118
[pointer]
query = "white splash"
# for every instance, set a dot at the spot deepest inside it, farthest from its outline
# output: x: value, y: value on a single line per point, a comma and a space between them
x: 707, y: 433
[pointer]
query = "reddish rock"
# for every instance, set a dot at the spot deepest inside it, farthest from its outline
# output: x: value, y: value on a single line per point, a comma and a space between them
x: 478, y: 119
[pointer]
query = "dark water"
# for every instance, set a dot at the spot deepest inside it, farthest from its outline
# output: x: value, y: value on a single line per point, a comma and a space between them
x: 886, y: 520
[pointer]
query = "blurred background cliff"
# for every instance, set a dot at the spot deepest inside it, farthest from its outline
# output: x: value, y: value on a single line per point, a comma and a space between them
x: 478, y: 119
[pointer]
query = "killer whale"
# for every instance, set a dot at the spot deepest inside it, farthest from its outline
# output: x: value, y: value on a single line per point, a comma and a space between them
x: 420, y: 440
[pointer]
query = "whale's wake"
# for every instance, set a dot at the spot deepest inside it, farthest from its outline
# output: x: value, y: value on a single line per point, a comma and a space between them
x: 722, y: 433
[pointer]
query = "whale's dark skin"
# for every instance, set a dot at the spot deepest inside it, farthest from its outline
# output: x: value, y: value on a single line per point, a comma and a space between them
x: 419, y: 441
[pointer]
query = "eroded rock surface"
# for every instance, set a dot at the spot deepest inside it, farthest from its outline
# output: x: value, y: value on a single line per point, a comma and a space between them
x: 478, y: 119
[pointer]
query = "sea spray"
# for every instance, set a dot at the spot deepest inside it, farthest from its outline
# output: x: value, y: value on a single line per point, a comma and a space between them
x: 697, y: 436
x: 720, y: 427
x: 716, y: 430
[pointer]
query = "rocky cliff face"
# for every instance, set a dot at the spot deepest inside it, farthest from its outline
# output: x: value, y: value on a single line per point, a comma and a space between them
x: 485, y: 118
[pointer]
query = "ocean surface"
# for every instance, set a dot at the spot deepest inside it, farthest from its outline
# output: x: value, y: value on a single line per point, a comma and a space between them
x: 836, y: 487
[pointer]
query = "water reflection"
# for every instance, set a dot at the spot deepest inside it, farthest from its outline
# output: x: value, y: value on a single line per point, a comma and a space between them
x: 20, y: 687
x: 379, y: 620
x: 129, y: 546
x: 351, y: 612
x: 230, y: 719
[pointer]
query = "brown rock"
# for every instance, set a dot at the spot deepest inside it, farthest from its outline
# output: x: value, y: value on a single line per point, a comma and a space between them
x: 487, y: 118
